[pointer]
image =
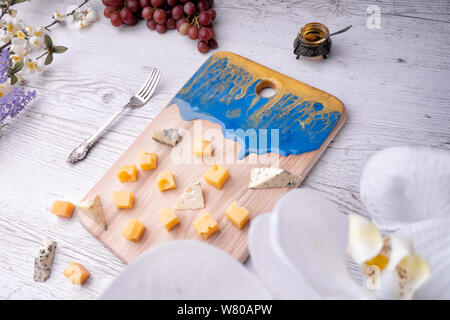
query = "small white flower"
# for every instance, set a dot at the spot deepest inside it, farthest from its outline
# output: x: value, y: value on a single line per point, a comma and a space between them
x: 57, y: 16
x: 40, y: 33
x: 20, y: 35
x: 16, y: 58
x: 20, y: 47
x: 36, y: 42
x: 90, y: 15
x: 32, y: 66
x: 80, y: 19
x: 14, y: 25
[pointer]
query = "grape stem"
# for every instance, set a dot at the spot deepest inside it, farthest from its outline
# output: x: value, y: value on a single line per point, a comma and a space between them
x: 47, y: 27
x: 195, y: 21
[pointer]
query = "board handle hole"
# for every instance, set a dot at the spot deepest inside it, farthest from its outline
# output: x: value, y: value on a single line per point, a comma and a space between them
x: 266, y: 88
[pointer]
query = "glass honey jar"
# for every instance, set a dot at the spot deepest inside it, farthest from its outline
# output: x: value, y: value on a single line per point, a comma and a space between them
x: 313, y: 41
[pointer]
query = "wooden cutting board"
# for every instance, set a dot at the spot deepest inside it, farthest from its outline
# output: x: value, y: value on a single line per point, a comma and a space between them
x: 224, y: 90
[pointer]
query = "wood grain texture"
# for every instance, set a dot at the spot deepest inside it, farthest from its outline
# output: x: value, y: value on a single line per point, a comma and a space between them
x: 393, y: 81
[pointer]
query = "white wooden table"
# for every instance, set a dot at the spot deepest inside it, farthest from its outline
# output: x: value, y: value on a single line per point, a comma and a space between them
x: 394, y: 82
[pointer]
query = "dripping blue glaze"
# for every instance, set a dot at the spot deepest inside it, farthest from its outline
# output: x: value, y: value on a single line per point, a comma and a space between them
x: 216, y: 93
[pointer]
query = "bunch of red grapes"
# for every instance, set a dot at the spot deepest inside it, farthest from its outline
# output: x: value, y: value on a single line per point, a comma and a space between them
x: 193, y: 18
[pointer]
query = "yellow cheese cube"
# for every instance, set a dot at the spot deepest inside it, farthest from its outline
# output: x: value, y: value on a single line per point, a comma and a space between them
x: 148, y: 161
x: 76, y: 273
x: 237, y: 215
x: 206, y: 226
x: 123, y: 199
x: 127, y: 173
x: 202, y: 147
x: 216, y: 176
x: 133, y: 230
x: 62, y: 209
x: 168, y: 217
x: 165, y: 181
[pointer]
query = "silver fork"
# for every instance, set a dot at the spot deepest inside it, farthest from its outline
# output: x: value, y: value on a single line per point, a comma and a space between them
x: 138, y: 100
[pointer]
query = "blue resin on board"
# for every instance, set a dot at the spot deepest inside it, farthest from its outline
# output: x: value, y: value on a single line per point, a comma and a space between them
x: 284, y: 123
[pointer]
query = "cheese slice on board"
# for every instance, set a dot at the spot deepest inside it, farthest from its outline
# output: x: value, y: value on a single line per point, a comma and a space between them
x: 262, y: 178
x: 167, y: 136
x: 43, y: 260
x: 192, y: 198
x: 93, y: 208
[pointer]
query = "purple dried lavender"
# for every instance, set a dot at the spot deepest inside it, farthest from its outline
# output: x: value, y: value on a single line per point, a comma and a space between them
x: 15, y: 100
x: 4, y: 65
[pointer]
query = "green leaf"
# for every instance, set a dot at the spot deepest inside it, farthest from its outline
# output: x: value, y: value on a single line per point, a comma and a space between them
x: 14, y: 79
x: 49, y: 58
x: 13, y: 2
x: 59, y: 49
x: 48, y: 42
x: 18, y: 66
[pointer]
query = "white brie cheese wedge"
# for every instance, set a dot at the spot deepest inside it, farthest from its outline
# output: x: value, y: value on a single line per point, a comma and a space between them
x: 93, y: 208
x: 167, y: 136
x: 262, y: 178
x: 192, y: 198
x: 43, y: 260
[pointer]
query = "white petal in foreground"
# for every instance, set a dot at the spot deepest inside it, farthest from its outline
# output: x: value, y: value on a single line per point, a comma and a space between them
x: 186, y: 269
x: 403, y: 185
x: 274, y: 274
x: 309, y: 235
x: 364, y: 239
x: 431, y: 240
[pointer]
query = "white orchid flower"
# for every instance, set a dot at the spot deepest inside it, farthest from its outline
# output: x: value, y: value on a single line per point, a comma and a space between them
x: 404, y: 189
x: 299, y: 251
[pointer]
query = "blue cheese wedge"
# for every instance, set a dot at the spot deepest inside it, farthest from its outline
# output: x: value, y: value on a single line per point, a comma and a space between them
x: 262, y: 178
x: 167, y: 136
x: 92, y: 207
x: 192, y: 198
x: 43, y: 260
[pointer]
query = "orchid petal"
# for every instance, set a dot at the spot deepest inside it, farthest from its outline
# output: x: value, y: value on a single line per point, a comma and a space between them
x: 186, y: 269
x: 309, y: 235
x: 274, y: 274
x: 403, y: 185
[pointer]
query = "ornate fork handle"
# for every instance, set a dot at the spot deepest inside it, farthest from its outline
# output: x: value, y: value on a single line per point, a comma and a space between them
x: 81, y: 151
